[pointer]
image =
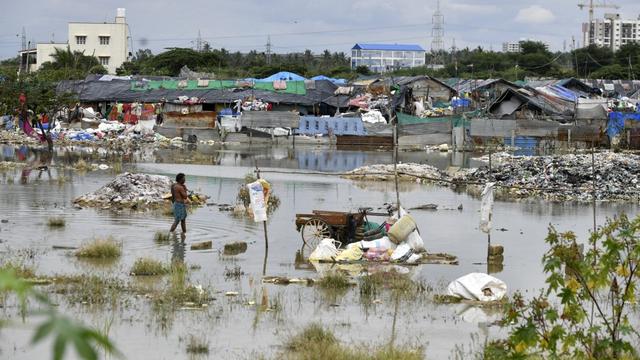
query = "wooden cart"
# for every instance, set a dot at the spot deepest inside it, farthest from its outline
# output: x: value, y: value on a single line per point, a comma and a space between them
x: 341, y: 226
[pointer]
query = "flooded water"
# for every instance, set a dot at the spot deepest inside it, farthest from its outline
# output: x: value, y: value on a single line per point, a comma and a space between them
x: 233, y: 328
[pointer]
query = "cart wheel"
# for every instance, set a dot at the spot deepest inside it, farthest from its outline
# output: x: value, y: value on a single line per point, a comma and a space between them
x: 313, y: 231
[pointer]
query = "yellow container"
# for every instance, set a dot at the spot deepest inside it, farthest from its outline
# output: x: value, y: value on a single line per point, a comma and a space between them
x: 401, y: 229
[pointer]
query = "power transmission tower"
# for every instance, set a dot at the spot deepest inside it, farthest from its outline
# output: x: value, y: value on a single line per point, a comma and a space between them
x: 268, y: 49
x: 24, y: 39
x: 199, y: 42
x: 437, y: 42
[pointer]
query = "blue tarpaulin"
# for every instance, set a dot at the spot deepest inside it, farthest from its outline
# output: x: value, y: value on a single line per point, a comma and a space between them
x: 311, y: 125
x: 283, y: 75
x: 461, y: 102
x: 335, y: 81
x: 615, y: 124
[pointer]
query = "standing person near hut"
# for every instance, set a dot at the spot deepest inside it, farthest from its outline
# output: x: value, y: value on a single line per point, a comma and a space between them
x: 180, y: 198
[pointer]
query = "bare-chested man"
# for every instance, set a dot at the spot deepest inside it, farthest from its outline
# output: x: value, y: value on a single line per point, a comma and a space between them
x: 180, y: 199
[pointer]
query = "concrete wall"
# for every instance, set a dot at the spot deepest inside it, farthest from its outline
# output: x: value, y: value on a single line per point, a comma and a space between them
x: 118, y: 49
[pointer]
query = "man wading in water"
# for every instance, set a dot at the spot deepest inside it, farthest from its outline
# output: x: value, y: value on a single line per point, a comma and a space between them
x: 179, y: 197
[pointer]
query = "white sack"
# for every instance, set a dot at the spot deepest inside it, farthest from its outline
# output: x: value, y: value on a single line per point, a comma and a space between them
x: 478, y: 286
x: 486, y: 208
x: 402, y: 250
x: 415, y: 241
x: 382, y: 243
x: 257, y: 201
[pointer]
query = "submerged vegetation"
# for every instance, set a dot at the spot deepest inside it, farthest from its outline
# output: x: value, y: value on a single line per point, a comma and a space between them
x: 56, y: 222
x: 106, y: 248
x: 197, y: 345
x: 162, y: 237
x: 316, y: 342
x: 148, y: 267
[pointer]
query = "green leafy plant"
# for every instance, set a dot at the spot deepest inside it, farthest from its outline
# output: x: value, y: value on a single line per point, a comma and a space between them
x: 65, y: 331
x: 584, y: 312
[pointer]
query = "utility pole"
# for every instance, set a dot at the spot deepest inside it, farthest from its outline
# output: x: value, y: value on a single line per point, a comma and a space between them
x: 268, y: 49
x: 454, y: 55
x: 24, y: 39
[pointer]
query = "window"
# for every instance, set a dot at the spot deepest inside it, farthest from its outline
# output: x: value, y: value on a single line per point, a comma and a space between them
x: 104, y: 60
x: 81, y: 40
x: 104, y: 40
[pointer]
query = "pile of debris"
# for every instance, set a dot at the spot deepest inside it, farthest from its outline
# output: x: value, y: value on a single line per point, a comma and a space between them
x: 562, y: 178
x: 407, y: 172
x: 134, y: 191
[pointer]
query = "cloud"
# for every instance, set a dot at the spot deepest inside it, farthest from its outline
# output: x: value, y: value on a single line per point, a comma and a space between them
x: 535, y: 14
x: 472, y: 8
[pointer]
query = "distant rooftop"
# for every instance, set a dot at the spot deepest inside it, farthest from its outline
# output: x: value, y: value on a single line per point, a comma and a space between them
x: 388, y: 47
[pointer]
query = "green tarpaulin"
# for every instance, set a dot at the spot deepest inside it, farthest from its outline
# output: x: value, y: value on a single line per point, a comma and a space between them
x: 293, y: 87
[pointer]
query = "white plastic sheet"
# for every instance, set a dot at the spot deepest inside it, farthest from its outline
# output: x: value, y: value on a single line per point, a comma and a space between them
x: 478, y: 286
x: 486, y: 208
x: 326, y: 251
x: 258, y: 204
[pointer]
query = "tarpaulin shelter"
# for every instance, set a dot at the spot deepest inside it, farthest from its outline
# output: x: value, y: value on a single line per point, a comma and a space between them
x: 284, y: 75
x: 333, y: 80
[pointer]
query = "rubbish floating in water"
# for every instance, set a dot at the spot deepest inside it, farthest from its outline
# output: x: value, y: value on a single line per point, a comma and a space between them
x: 135, y: 191
x: 425, y: 207
x: 281, y: 280
x: 231, y: 293
x: 204, y: 245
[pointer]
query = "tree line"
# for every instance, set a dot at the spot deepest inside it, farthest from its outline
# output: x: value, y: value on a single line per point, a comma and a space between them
x: 534, y: 60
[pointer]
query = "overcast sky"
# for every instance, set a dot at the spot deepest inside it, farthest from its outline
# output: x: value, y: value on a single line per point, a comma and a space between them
x: 295, y: 25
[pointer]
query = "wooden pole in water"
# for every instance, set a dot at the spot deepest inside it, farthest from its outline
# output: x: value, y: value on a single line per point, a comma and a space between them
x: 395, y: 159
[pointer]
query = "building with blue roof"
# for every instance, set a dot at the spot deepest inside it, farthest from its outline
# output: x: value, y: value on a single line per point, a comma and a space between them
x: 387, y: 57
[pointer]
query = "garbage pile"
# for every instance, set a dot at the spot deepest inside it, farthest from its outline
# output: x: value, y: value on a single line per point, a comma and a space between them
x: 562, y: 178
x: 385, y: 172
x: 397, y: 240
x: 135, y: 191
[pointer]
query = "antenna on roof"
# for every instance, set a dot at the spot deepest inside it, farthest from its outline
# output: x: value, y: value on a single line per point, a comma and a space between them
x: 437, y: 43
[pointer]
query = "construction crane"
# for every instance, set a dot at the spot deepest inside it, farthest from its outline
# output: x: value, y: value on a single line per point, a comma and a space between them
x: 591, y: 6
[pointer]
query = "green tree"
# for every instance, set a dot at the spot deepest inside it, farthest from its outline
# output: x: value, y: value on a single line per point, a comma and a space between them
x: 584, y: 312
x: 591, y: 58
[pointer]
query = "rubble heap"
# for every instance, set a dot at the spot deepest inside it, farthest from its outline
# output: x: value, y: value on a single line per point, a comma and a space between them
x: 136, y: 191
x: 564, y: 177
x: 385, y: 172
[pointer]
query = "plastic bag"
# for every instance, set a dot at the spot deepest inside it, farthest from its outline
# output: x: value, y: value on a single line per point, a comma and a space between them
x: 415, y: 241
x: 353, y: 253
x: 326, y: 251
x: 478, y: 286
x: 382, y: 243
x: 377, y: 254
x: 486, y: 208
x: 402, y: 252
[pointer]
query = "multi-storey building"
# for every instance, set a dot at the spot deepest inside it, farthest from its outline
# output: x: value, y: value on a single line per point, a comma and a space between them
x: 387, y: 57
x: 108, y: 42
x: 612, y: 31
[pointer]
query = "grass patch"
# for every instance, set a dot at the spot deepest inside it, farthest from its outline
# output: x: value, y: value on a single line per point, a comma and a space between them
x: 179, y: 291
x: 82, y: 165
x: 88, y: 289
x: 235, y: 248
x: 148, y: 267
x: 20, y: 270
x: 334, y: 280
x: 197, y: 345
x: 315, y: 342
x: 56, y: 222
x: 100, y: 249
x: 162, y: 237
x: 399, y: 285
x: 446, y: 299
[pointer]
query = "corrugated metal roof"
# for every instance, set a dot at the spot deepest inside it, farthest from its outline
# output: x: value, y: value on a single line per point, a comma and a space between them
x: 388, y: 47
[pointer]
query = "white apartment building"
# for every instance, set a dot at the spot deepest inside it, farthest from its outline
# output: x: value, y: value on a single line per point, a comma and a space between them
x: 386, y: 57
x: 108, y: 42
x: 612, y: 31
x: 511, y: 47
